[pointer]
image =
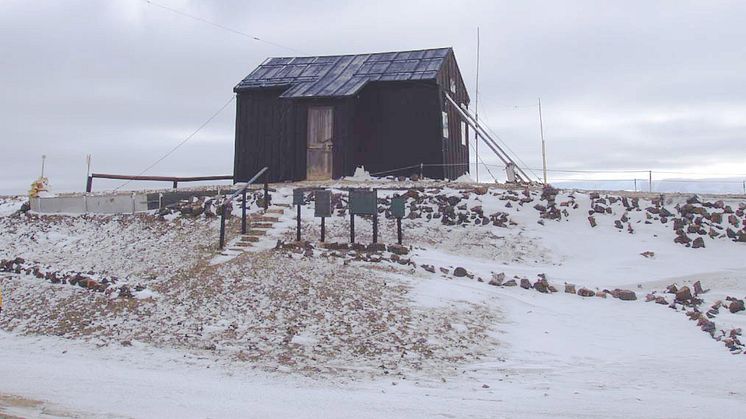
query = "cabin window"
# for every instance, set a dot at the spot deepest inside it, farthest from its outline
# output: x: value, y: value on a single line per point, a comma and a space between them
x: 463, y: 133
x: 453, y: 85
x: 445, y: 124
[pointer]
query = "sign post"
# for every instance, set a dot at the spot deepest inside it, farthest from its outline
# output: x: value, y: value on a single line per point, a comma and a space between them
x: 363, y: 202
x: 323, y: 209
x: 397, y: 210
x: 298, y: 198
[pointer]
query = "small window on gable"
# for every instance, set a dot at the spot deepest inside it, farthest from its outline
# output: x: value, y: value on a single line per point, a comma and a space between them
x: 445, y: 124
x: 453, y: 85
x: 464, y: 133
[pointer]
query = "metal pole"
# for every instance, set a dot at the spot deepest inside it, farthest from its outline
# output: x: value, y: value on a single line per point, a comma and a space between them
x: 375, y: 228
x: 43, y: 158
x: 323, y: 229
x: 297, y: 225
x: 421, y: 166
x: 266, y: 194
x: 89, y: 184
x: 176, y: 184
x: 243, y: 212
x: 352, y: 228
x: 398, y: 229
x: 744, y: 187
x: 543, y: 145
x: 650, y: 181
x: 476, y: 112
x: 635, y: 185
x: 88, y: 172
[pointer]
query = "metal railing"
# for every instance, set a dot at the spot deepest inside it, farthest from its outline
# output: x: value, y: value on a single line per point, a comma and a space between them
x: 227, y: 206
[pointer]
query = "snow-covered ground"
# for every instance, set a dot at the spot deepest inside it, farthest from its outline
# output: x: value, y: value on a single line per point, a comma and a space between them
x: 275, y: 333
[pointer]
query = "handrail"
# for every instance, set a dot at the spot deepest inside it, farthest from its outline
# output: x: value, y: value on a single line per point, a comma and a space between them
x: 228, y: 203
x: 256, y: 176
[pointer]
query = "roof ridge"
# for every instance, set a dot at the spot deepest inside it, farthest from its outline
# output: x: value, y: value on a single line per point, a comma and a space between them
x: 359, y: 53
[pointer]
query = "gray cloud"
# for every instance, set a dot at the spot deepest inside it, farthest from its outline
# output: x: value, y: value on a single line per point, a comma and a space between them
x: 625, y: 85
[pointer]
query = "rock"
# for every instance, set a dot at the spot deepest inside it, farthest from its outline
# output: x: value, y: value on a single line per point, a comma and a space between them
x: 661, y: 300
x: 698, y: 242
x: 648, y: 254
x: 460, y: 272
x: 542, y: 286
x: 672, y: 289
x: 480, y: 190
x: 525, y: 283
x: 429, y: 268
x: 497, y: 278
x: 698, y: 288
x: 736, y: 306
x: 592, y: 220
x: 585, y: 292
x: 624, y: 295
x: 683, y: 295
x: 510, y: 283
x: 570, y: 288
x: 398, y: 249
x: 618, y: 224
x: 444, y: 270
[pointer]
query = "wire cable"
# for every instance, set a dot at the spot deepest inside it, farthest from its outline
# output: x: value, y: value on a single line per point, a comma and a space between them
x: 218, y: 25
x: 184, y: 141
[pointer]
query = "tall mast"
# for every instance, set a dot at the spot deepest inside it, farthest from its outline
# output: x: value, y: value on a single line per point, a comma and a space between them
x: 543, y: 145
x: 476, y: 111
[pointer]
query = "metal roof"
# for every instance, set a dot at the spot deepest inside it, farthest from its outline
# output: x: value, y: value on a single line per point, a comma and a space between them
x: 342, y: 75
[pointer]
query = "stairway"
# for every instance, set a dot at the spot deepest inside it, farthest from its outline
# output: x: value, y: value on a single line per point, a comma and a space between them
x: 258, y: 225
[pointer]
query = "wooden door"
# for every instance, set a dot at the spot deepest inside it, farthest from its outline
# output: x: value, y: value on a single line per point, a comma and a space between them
x: 319, y: 154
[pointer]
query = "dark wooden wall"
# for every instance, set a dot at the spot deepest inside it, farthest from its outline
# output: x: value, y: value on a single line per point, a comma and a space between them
x: 397, y: 124
x: 266, y: 135
x: 455, y: 155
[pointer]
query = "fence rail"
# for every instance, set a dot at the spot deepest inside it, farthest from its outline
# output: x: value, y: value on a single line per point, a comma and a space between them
x: 174, y: 179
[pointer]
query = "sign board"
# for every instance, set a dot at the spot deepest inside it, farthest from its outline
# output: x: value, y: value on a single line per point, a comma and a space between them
x: 298, y: 196
x: 397, y: 206
x: 323, y: 207
x: 363, y: 202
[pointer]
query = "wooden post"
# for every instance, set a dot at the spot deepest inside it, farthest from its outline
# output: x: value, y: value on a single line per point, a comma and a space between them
x: 375, y: 228
x: 323, y: 229
x: 243, y: 212
x: 650, y: 180
x: 222, y: 226
x: 398, y: 230
x: 176, y: 184
x: 352, y: 228
x: 89, y: 184
x: 422, y: 165
x: 297, y: 227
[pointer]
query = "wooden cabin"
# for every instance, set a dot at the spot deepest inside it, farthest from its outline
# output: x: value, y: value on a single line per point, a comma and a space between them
x: 320, y: 118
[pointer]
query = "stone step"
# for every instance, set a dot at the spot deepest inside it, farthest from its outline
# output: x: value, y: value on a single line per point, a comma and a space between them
x: 275, y: 211
x: 256, y: 233
x: 260, y: 225
x: 265, y: 219
x: 249, y: 239
x: 243, y: 244
x: 282, y: 205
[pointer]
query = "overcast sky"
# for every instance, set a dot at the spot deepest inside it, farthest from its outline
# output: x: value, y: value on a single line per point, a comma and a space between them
x: 624, y: 84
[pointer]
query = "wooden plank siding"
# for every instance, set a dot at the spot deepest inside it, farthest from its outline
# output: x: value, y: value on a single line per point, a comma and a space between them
x: 453, y: 151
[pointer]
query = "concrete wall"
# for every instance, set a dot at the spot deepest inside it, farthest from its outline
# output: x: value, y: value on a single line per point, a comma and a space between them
x: 97, y: 204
